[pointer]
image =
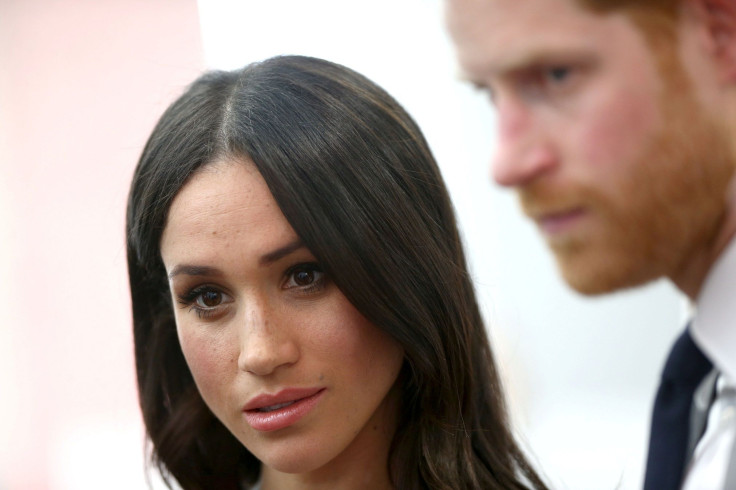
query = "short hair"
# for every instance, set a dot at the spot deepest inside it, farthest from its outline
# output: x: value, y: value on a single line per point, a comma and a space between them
x: 356, y: 180
x: 670, y: 7
x: 657, y: 21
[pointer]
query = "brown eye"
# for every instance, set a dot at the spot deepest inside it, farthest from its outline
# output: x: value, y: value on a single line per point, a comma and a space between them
x: 209, y: 299
x: 304, y: 277
x: 208, y: 302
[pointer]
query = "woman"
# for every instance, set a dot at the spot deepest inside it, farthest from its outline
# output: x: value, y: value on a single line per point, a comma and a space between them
x: 302, y: 310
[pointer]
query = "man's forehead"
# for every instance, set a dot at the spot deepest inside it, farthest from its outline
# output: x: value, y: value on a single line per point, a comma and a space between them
x: 500, y: 8
x: 499, y: 35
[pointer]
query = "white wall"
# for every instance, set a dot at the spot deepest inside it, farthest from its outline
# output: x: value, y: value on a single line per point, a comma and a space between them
x: 82, y: 83
x: 581, y: 373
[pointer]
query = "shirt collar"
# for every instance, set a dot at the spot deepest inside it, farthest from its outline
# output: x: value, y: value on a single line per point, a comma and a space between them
x: 714, y: 325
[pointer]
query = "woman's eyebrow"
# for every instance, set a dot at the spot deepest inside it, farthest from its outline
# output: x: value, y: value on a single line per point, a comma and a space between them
x: 194, y: 270
x: 281, y: 252
x: 266, y: 259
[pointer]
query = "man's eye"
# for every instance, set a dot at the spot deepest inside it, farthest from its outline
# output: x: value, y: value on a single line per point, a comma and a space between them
x: 557, y: 74
x: 544, y: 81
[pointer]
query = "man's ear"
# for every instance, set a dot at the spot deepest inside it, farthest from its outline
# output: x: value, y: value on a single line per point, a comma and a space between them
x: 717, y: 21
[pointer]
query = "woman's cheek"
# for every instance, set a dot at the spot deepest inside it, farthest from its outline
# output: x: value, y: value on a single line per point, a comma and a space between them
x: 208, y: 360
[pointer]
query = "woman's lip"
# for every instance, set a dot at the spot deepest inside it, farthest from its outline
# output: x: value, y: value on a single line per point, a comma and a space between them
x: 280, y: 418
x: 284, y: 396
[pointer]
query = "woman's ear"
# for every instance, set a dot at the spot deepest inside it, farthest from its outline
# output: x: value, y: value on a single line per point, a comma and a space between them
x: 716, y: 20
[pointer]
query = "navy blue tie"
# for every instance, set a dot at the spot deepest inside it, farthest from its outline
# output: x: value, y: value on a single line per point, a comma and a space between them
x: 685, y: 368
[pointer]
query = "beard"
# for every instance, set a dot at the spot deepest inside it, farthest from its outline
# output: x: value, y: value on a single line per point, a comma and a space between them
x: 652, y: 219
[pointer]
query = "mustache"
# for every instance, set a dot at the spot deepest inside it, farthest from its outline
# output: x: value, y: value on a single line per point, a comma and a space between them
x: 543, y: 199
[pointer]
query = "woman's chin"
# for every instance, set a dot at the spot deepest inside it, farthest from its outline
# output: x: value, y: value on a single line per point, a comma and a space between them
x: 291, y: 462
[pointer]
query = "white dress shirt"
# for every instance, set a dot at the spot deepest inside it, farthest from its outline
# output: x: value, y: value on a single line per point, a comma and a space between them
x: 714, y: 331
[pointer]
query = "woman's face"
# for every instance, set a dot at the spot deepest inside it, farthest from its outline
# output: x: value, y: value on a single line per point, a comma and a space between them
x: 279, y: 355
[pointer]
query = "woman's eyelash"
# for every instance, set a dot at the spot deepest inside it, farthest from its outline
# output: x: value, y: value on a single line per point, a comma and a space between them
x: 190, y: 300
x: 303, y: 278
x: 306, y: 277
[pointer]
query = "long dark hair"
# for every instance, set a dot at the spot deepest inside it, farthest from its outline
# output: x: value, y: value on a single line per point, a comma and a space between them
x: 356, y: 180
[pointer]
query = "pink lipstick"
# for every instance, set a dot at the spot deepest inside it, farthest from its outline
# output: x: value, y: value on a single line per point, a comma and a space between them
x: 267, y: 413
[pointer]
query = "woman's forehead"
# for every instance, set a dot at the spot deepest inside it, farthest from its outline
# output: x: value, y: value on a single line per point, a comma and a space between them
x: 223, y: 205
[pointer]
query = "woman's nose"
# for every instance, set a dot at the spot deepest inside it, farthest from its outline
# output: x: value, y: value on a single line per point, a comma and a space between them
x: 266, y: 342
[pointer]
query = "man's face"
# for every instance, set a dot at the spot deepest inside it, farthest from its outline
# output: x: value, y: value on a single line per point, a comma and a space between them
x: 610, y: 152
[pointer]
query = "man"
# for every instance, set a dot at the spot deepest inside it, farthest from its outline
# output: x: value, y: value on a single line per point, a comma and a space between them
x: 616, y: 127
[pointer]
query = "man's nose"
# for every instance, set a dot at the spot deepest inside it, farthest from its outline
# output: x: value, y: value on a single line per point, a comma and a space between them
x: 525, y: 146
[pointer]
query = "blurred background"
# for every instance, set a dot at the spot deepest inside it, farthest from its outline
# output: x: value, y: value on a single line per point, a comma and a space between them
x: 82, y: 83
